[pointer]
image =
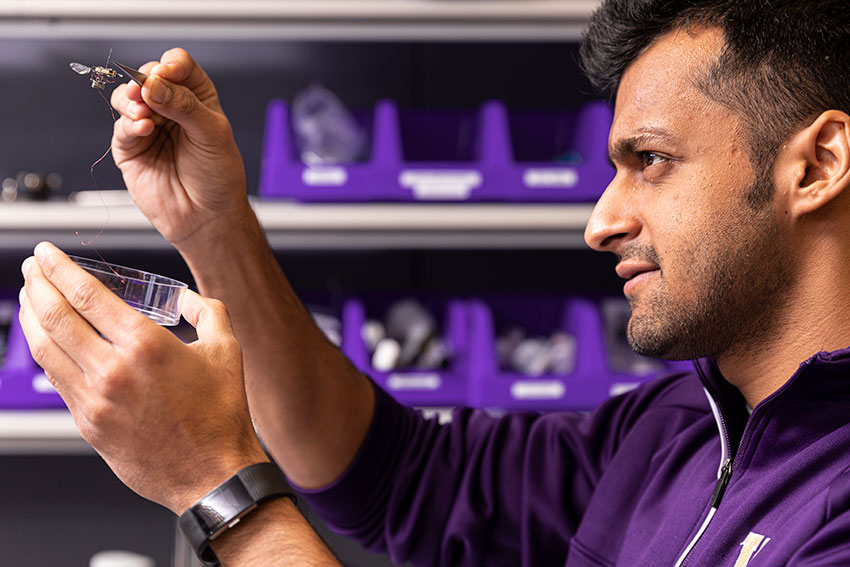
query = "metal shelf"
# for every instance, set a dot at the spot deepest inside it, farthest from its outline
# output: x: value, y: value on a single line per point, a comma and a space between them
x: 53, y: 432
x: 292, y: 226
x: 40, y: 432
x: 390, y: 20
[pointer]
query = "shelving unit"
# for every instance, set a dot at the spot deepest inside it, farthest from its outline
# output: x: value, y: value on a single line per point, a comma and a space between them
x: 288, y: 226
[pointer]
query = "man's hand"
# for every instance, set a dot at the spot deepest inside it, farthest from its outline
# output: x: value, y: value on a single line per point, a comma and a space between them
x: 170, y: 419
x: 181, y: 165
x: 175, y: 149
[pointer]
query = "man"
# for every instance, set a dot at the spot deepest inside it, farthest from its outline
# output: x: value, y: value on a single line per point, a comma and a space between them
x: 730, y: 213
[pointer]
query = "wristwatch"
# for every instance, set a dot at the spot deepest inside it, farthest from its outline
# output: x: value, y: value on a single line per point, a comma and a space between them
x: 225, y: 505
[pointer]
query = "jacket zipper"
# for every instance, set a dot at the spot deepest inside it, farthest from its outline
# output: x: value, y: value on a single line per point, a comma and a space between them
x: 719, y: 490
x: 722, y: 483
x: 724, y: 474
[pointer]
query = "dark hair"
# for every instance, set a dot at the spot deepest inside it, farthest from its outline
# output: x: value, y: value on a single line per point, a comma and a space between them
x: 784, y: 61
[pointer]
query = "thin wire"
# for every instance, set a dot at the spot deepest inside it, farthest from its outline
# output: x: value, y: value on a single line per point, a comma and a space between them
x: 99, y: 193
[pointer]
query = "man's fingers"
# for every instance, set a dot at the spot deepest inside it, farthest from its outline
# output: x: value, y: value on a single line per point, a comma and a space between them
x: 176, y: 89
x: 126, y: 133
x: 59, y: 321
x: 179, y: 104
x: 208, y: 316
x: 136, y: 118
x: 124, y: 94
x: 177, y: 66
x: 119, y: 99
x: 146, y: 67
x: 81, y: 298
x: 47, y: 353
x: 179, y: 89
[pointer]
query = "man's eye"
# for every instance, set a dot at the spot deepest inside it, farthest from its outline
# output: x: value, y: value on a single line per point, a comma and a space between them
x: 650, y: 158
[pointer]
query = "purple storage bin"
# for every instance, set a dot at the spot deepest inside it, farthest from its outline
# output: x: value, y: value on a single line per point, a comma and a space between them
x: 23, y: 384
x: 426, y: 388
x: 449, y: 156
x: 446, y: 153
x: 557, y: 155
x: 283, y: 175
x: 582, y: 389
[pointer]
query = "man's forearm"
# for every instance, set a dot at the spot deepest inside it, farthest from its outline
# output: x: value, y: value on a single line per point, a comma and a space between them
x: 312, y: 407
x: 276, y: 535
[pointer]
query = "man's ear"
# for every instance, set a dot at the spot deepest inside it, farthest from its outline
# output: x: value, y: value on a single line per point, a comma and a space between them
x: 813, y: 166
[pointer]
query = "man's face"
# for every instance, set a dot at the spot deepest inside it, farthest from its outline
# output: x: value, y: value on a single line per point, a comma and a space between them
x: 704, y: 268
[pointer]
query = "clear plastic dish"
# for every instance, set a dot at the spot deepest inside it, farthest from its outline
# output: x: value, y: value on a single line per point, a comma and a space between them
x: 150, y: 294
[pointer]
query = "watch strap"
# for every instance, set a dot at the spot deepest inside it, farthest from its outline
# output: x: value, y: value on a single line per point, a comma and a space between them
x: 262, y: 481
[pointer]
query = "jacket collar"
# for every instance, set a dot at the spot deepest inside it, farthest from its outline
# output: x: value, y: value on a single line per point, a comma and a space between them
x: 823, y: 376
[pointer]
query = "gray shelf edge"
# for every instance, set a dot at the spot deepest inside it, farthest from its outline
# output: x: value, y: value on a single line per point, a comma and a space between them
x: 372, y: 20
x: 316, y: 227
x: 40, y: 432
x: 287, y: 31
x: 52, y: 432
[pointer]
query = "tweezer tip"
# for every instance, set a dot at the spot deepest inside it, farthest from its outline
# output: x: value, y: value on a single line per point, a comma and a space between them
x: 136, y: 75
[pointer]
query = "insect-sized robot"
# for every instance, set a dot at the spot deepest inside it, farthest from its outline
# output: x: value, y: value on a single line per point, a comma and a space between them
x: 100, y: 76
x: 105, y: 75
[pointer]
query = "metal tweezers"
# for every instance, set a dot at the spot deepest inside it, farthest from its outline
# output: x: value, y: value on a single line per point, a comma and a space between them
x: 135, y: 74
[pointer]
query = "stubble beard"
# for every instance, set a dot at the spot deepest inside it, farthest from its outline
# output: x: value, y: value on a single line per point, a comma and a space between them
x: 737, y: 283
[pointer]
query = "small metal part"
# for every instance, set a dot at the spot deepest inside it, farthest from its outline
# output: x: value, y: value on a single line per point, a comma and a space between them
x: 28, y: 185
x: 372, y: 333
x: 411, y: 324
x: 562, y: 353
x: 408, y: 338
x: 531, y: 357
x: 386, y: 355
x: 9, y: 190
x: 435, y: 355
x: 134, y: 74
x: 537, y: 355
x: 100, y: 76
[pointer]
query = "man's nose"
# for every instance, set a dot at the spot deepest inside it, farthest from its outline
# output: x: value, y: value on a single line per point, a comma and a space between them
x: 614, y: 220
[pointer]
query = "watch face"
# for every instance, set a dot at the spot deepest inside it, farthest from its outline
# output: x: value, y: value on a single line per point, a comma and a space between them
x: 223, y: 505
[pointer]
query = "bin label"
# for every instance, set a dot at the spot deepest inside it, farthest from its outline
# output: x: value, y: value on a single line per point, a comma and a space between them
x: 538, y: 390
x: 433, y: 184
x: 413, y: 381
x: 559, y: 177
x: 324, y: 176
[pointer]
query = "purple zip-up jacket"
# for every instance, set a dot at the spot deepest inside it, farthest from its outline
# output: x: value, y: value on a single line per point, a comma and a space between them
x: 633, y: 484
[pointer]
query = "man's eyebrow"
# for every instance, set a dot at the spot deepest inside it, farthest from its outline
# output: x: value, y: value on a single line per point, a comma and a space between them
x: 626, y: 147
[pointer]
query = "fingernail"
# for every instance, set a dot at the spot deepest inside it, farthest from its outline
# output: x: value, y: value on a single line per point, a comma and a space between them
x: 133, y: 110
x: 159, y: 91
x: 39, y: 253
x: 22, y: 295
x: 26, y: 266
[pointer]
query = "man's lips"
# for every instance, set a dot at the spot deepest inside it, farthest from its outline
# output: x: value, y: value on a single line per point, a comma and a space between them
x: 628, y: 270
x: 635, y: 273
